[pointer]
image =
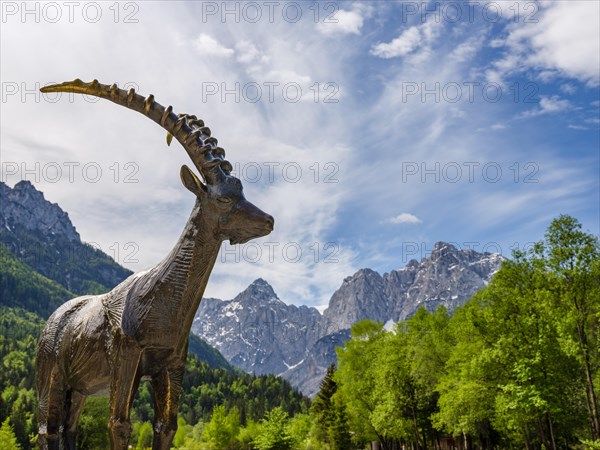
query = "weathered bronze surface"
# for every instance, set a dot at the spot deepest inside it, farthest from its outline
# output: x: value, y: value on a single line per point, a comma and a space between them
x: 107, y: 343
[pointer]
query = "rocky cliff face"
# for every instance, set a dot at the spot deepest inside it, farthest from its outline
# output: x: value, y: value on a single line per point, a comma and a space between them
x: 449, y: 277
x: 259, y: 333
x: 256, y: 331
x: 360, y: 296
x: 25, y: 206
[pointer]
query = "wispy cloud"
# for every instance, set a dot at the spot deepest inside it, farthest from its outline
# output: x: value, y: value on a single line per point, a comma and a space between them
x: 209, y: 46
x: 562, y: 41
x: 548, y: 105
x: 341, y: 22
x: 403, y: 218
x: 407, y: 42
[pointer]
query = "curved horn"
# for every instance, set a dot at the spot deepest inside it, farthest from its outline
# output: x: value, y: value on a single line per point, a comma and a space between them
x: 188, y: 130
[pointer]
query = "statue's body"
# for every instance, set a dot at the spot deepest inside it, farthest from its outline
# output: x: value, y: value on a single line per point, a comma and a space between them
x: 107, y: 343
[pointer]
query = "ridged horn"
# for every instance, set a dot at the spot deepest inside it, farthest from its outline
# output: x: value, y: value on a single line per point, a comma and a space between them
x: 187, y: 129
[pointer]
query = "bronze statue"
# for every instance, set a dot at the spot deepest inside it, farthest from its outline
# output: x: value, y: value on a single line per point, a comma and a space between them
x: 107, y: 343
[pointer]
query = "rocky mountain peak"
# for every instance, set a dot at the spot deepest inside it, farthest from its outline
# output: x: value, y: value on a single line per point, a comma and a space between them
x: 258, y: 290
x: 256, y: 331
x: 444, y: 252
x: 359, y: 296
x: 26, y: 185
x: 412, y: 264
x: 25, y: 206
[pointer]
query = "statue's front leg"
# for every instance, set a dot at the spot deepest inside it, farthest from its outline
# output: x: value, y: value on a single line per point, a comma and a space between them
x: 166, y: 387
x: 124, y: 383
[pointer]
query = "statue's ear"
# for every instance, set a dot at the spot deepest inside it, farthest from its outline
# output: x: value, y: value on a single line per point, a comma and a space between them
x: 191, y: 181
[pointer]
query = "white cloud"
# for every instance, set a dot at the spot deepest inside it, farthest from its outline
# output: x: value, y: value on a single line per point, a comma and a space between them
x: 577, y: 127
x: 497, y: 43
x: 404, y: 218
x: 209, y: 46
x: 407, y: 42
x: 563, y: 42
x: 342, y: 22
x: 415, y: 44
x: 248, y: 53
x: 553, y: 104
x: 548, y: 105
x: 498, y: 126
x: 568, y: 88
x: 467, y: 50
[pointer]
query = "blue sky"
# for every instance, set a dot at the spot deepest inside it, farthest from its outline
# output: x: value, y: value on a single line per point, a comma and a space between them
x: 370, y: 130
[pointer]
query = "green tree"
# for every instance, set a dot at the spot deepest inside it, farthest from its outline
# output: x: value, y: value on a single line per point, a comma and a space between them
x: 93, y: 425
x: 7, y: 437
x: 322, y: 406
x: 223, y: 428
x: 180, y: 434
x: 329, y: 413
x: 570, y: 259
x: 272, y: 433
x: 247, y: 435
x: 339, y: 431
x: 299, y: 429
x: 508, y: 368
x: 145, y: 438
x: 356, y: 378
x: 467, y: 387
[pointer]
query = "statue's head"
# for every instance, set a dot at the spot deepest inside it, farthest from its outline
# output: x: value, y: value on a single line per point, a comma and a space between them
x: 220, y: 194
x: 222, y: 200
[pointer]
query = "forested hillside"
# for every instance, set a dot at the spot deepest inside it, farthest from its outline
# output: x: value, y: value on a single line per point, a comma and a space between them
x: 25, y: 288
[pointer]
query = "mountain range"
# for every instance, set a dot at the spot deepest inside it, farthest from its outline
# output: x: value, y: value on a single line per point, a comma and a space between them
x: 44, y: 263
x: 258, y: 332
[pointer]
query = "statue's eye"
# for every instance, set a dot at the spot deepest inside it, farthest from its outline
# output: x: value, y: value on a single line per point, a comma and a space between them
x: 224, y: 200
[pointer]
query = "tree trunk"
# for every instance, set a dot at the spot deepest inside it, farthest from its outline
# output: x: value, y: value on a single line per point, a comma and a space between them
x: 416, y: 428
x: 551, y: 429
x: 589, y: 384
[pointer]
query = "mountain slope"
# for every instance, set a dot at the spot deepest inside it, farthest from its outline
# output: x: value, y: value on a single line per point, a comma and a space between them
x: 210, y: 355
x: 256, y: 331
x: 40, y: 234
x: 21, y: 286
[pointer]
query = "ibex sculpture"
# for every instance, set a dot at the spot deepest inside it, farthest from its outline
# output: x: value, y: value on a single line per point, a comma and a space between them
x: 107, y: 343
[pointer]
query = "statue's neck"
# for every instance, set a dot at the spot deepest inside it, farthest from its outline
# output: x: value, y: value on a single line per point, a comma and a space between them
x: 185, y: 271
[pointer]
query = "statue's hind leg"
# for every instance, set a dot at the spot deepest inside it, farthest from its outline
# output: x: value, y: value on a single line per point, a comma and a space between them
x: 74, y: 403
x: 51, y: 389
